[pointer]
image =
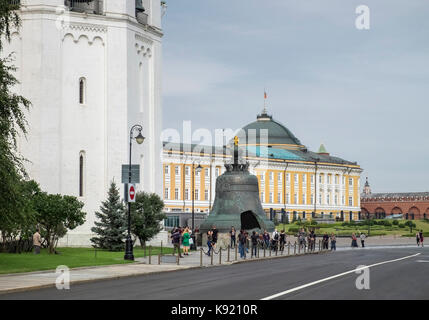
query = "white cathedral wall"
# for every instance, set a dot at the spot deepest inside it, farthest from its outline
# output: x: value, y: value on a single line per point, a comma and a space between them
x: 83, y: 126
x: 104, y: 52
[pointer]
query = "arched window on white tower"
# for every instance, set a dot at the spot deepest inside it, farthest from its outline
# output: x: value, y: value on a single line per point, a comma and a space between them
x: 82, y: 91
x: 81, y: 173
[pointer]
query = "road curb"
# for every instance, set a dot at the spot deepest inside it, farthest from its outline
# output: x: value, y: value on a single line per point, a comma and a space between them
x: 52, y: 285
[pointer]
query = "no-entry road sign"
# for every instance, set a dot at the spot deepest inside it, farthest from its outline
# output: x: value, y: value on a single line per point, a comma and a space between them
x: 131, y: 192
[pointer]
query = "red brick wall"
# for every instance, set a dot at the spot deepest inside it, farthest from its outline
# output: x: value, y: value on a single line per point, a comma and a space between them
x: 416, y: 207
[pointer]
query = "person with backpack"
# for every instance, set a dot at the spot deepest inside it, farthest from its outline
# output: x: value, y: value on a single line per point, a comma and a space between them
x: 421, y: 237
x: 275, y: 240
x: 175, y: 239
x: 242, y: 244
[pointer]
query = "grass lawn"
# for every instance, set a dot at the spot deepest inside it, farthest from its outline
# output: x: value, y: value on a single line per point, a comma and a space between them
x: 376, y: 230
x: 71, y: 257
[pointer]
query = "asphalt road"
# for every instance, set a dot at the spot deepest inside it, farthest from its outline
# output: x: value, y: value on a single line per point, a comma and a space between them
x: 403, y: 279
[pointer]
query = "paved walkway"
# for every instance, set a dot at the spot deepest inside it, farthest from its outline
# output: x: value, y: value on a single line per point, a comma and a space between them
x: 35, y: 280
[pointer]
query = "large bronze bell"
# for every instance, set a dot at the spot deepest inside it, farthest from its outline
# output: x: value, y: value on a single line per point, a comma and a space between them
x: 237, y: 202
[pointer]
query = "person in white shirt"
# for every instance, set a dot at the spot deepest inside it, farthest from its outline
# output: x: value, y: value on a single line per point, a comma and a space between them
x: 274, y: 233
x: 362, y: 239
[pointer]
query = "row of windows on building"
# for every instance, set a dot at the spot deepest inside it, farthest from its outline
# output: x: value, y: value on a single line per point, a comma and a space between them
x: 322, y: 177
x: 188, y: 194
x: 329, y: 200
x: 177, y: 171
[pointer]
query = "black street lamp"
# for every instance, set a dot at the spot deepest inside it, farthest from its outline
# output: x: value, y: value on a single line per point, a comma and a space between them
x: 315, y: 186
x: 194, y: 170
x: 129, y: 243
x: 197, y: 169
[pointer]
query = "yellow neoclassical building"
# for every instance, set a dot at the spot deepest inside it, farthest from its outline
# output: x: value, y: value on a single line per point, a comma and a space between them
x: 293, y: 181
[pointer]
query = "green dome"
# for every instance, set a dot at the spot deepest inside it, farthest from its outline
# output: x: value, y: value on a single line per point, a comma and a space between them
x: 278, y: 135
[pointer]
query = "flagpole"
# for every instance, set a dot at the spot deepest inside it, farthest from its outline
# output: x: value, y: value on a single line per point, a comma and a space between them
x: 265, y: 101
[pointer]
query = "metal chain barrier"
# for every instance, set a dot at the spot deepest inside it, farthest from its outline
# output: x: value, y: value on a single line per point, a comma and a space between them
x: 298, y: 249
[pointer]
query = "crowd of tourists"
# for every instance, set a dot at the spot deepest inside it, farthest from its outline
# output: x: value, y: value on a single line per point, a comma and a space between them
x: 276, y: 241
x: 264, y: 240
x: 306, y: 241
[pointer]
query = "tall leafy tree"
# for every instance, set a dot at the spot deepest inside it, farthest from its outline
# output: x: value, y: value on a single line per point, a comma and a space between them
x: 146, y: 215
x: 112, y: 224
x: 12, y: 122
x: 17, y: 233
x: 56, y: 214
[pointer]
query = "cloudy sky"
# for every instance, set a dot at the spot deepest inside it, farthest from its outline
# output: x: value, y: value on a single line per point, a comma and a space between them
x: 363, y: 93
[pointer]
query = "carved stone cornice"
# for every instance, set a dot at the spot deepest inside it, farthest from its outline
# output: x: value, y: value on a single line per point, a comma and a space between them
x: 87, y: 27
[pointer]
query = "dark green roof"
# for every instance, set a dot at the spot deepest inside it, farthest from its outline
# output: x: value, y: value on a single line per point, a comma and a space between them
x: 277, y: 133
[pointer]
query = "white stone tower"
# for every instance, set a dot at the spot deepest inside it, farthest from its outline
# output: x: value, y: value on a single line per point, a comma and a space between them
x: 92, y: 69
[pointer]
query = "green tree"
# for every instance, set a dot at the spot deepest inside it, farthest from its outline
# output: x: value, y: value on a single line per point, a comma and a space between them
x: 287, y: 219
x: 56, y: 214
x: 12, y: 123
x: 112, y: 222
x: 411, y: 225
x: 276, y: 221
x: 19, y: 228
x: 146, y: 215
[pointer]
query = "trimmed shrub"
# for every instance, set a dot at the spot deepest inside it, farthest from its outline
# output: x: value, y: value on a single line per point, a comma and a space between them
x: 293, y: 230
